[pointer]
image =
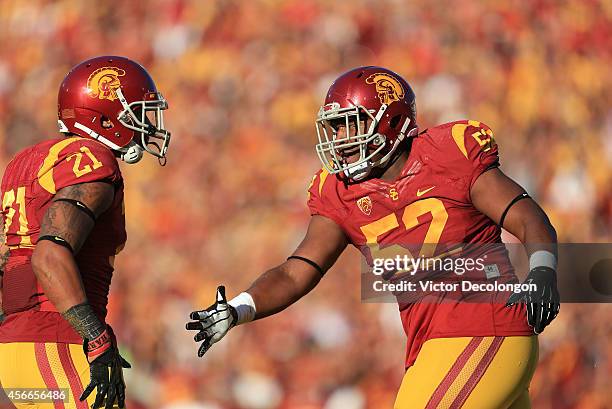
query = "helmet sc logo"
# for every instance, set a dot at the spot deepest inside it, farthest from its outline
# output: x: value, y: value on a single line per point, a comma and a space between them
x: 104, y: 82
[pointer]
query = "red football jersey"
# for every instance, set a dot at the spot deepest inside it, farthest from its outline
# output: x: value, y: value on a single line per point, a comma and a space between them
x: 429, y: 202
x: 30, y: 182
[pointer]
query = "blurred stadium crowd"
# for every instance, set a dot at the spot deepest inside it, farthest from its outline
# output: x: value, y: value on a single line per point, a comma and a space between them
x: 244, y: 80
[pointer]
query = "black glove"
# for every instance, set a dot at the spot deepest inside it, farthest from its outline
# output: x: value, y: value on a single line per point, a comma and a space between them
x: 542, y: 304
x: 212, y: 323
x: 100, y: 364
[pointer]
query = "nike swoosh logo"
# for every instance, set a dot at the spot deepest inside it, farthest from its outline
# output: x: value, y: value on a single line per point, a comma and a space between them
x: 422, y: 192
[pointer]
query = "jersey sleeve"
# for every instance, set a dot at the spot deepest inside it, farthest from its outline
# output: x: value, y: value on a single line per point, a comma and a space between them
x: 476, y: 143
x: 318, y: 202
x: 78, y: 160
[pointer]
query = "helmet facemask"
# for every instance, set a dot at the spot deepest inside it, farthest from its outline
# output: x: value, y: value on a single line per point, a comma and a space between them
x: 146, y: 119
x: 369, y: 142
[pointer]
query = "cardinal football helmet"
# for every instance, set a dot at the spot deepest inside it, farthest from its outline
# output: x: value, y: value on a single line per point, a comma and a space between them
x: 114, y: 100
x: 365, y: 95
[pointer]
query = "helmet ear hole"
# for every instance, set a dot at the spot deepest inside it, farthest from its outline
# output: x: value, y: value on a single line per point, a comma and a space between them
x: 395, y: 121
x: 106, y: 123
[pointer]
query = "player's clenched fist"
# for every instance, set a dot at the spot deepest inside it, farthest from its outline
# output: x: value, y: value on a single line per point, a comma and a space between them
x: 212, y: 323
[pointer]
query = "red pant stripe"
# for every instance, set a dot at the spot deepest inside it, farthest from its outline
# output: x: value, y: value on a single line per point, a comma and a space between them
x: 45, y: 370
x: 452, y: 374
x: 71, y: 373
x: 478, y: 373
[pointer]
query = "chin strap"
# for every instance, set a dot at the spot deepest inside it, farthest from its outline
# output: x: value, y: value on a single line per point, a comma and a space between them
x: 390, y: 157
x: 132, y: 154
x: 358, y: 172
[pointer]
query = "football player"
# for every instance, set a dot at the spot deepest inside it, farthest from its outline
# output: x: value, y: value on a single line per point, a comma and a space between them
x: 64, y: 222
x: 384, y: 182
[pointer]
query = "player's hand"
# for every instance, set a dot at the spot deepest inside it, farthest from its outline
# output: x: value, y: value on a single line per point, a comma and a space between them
x: 106, y: 370
x: 213, y: 322
x: 542, y: 304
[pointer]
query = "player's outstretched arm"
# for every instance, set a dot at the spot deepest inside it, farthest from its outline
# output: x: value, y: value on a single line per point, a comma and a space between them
x: 277, y: 288
x: 507, y: 203
x: 64, y: 229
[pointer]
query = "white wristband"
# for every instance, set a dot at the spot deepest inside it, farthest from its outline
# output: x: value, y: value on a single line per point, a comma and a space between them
x: 542, y: 258
x: 245, y: 307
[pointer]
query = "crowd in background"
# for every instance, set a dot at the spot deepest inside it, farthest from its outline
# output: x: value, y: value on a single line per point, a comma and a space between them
x: 244, y: 80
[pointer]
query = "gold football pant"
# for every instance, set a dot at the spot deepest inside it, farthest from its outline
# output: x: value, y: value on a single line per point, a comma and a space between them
x: 471, y: 373
x: 39, y: 368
